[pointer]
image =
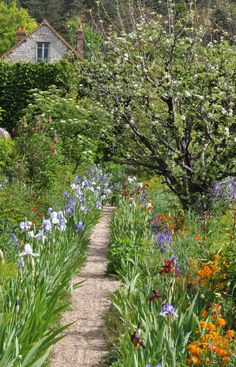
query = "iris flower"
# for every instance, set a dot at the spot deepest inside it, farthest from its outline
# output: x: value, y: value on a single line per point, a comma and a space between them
x: 28, y: 251
x: 26, y: 225
x: 168, y: 309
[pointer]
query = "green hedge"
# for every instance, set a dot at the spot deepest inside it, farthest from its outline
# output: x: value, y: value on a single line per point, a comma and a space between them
x: 17, y: 81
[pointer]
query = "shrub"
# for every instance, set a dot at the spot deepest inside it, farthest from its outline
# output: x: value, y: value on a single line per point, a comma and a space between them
x: 17, y: 81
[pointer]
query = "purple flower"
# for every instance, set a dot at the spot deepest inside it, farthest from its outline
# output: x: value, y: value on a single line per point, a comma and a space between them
x: 47, y: 225
x: 79, y: 226
x: 163, y: 238
x: 98, y: 206
x: 71, y: 203
x: 85, y: 184
x: 168, y: 309
x: 14, y: 240
x: 26, y: 225
x: 40, y: 235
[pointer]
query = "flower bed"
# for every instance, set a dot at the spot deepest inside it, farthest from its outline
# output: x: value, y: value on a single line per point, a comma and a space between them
x: 175, y: 306
x: 37, y: 269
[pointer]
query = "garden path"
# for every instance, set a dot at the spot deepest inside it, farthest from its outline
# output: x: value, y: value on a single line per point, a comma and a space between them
x: 84, y: 343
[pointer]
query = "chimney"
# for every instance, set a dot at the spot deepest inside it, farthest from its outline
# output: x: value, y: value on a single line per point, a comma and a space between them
x: 80, y: 42
x: 20, y: 34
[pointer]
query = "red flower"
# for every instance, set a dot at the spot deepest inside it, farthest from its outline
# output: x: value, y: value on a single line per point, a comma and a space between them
x: 156, y: 295
x: 169, y: 267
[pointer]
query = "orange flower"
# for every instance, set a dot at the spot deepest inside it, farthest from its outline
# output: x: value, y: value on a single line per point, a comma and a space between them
x: 225, y: 360
x: 230, y: 333
x: 211, y: 327
x: 220, y: 321
x: 194, y: 360
x: 203, y: 324
x: 198, y: 238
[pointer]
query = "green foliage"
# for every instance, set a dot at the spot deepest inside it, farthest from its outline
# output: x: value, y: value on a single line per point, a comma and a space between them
x: 40, y: 159
x: 17, y: 81
x: 92, y: 39
x: 11, y: 18
x: 79, y: 129
x: 6, y: 148
x: 130, y: 235
x: 56, y: 11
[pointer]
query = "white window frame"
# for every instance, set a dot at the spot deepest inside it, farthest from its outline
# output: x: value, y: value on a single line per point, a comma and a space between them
x: 43, y: 51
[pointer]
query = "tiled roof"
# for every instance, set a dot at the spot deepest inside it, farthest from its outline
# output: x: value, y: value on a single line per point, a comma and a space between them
x: 44, y: 23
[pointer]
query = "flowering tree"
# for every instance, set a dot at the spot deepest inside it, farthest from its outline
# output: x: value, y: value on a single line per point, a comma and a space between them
x: 172, y: 97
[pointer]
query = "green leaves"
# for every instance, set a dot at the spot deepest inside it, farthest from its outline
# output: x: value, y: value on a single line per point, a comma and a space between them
x: 18, y: 80
x: 11, y: 18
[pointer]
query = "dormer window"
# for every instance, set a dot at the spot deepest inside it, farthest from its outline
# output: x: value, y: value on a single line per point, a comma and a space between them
x: 43, y: 51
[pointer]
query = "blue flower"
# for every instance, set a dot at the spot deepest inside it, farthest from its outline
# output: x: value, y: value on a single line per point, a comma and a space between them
x: 79, y: 226
x: 168, y: 309
x: 85, y: 184
x: 163, y: 238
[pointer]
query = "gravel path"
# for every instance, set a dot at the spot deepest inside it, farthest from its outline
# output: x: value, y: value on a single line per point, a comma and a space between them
x: 84, y: 343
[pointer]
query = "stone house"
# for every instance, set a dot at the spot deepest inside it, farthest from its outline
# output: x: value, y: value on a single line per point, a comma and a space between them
x: 43, y: 44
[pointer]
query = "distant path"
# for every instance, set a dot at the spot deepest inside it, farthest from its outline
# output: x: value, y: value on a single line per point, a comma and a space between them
x: 84, y: 343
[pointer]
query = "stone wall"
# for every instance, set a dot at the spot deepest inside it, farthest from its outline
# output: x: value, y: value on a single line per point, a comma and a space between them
x: 27, y: 50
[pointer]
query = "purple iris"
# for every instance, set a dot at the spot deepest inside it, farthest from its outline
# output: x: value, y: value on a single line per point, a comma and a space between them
x: 85, y: 184
x: 168, y: 309
x: 47, y: 225
x: 163, y: 238
x: 71, y: 203
x: 14, y: 240
x: 79, y: 226
x: 98, y: 205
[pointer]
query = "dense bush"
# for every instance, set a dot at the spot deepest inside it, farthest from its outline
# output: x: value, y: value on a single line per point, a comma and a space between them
x: 17, y: 81
x: 79, y: 128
